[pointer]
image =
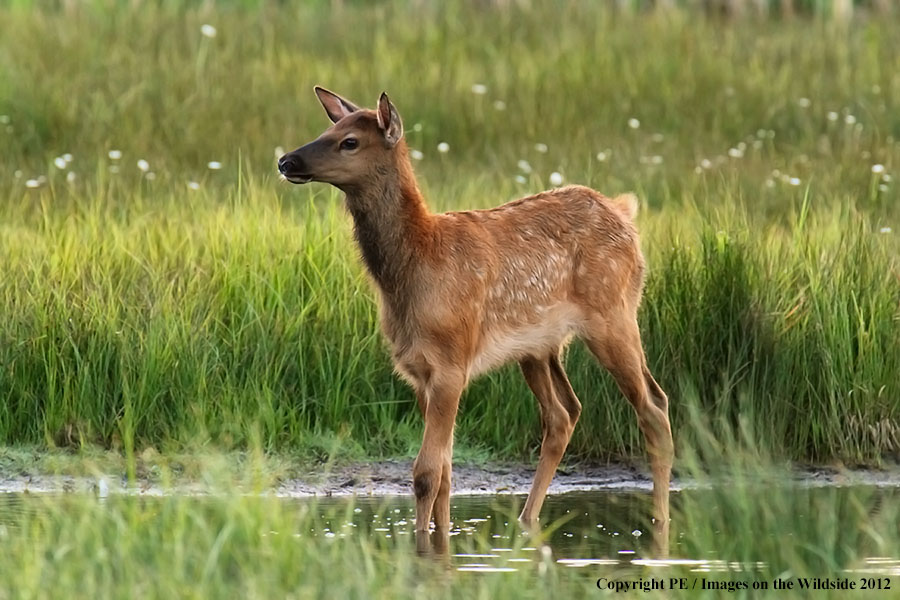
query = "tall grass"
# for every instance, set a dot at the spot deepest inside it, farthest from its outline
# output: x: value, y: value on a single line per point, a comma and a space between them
x: 224, y: 547
x: 220, y: 307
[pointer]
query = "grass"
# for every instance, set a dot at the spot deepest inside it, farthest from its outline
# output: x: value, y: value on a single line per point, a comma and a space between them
x: 724, y: 533
x: 250, y: 546
x: 215, y: 324
x: 220, y: 308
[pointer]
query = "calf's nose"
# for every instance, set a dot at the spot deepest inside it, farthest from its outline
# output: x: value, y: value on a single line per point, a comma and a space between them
x: 286, y: 163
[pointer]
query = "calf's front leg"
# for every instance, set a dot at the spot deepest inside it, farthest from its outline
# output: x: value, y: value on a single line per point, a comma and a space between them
x: 432, y: 467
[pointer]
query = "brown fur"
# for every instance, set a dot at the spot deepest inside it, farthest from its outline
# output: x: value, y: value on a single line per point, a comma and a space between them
x: 464, y: 292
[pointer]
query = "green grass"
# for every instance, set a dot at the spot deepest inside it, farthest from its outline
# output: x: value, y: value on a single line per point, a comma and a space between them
x: 752, y: 527
x: 138, y: 312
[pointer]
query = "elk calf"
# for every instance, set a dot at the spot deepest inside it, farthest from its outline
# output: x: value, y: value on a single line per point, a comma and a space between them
x: 463, y: 292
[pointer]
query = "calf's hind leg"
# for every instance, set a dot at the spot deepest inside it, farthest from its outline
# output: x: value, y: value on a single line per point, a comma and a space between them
x: 616, y: 343
x: 560, y: 410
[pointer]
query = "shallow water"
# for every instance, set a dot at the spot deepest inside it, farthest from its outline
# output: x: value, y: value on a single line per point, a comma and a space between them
x: 601, y: 523
x: 578, y: 529
x: 601, y: 533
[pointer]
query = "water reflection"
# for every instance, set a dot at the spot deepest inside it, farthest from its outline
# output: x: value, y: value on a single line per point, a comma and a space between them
x: 594, y: 532
x: 576, y: 529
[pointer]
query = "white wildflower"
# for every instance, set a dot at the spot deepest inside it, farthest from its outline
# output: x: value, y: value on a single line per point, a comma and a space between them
x: 59, y: 162
x: 849, y: 119
x: 885, y: 230
x: 542, y: 148
x: 735, y: 153
x: 208, y: 30
x: 279, y: 152
x: 32, y: 183
x: 479, y: 89
x: 150, y: 176
x: 803, y: 102
x: 878, y: 169
x: 601, y: 156
x: 556, y: 178
x: 499, y: 105
x: 706, y: 163
x: 634, y: 123
x: 193, y: 185
x: 70, y: 176
x: 417, y: 127
x: 524, y: 166
x: 833, y: 116
x: 143, y: 165
x: 883, y: 187
x: 214, y: 165
x: 794, y: 181
x: 521, y: 179
x: 416, y: 154
x: 67, y: 157
x: 443, y: 147
x: 115, y: 154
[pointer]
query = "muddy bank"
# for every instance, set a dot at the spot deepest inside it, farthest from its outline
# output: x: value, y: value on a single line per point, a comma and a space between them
x: 383, y: 478
x: 387, y: 478
x: 394, y: 478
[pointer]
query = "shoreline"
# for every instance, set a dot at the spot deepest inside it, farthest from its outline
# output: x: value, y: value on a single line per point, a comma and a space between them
x: 393, y: 478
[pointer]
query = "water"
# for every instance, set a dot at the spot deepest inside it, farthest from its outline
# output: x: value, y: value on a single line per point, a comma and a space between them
x: 578, y: 529
x: 754, y: 534
x: 611, y: 532
x: 576, y: 526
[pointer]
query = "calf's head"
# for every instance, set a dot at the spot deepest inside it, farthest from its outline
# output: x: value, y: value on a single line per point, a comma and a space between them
x: 359, y: 144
